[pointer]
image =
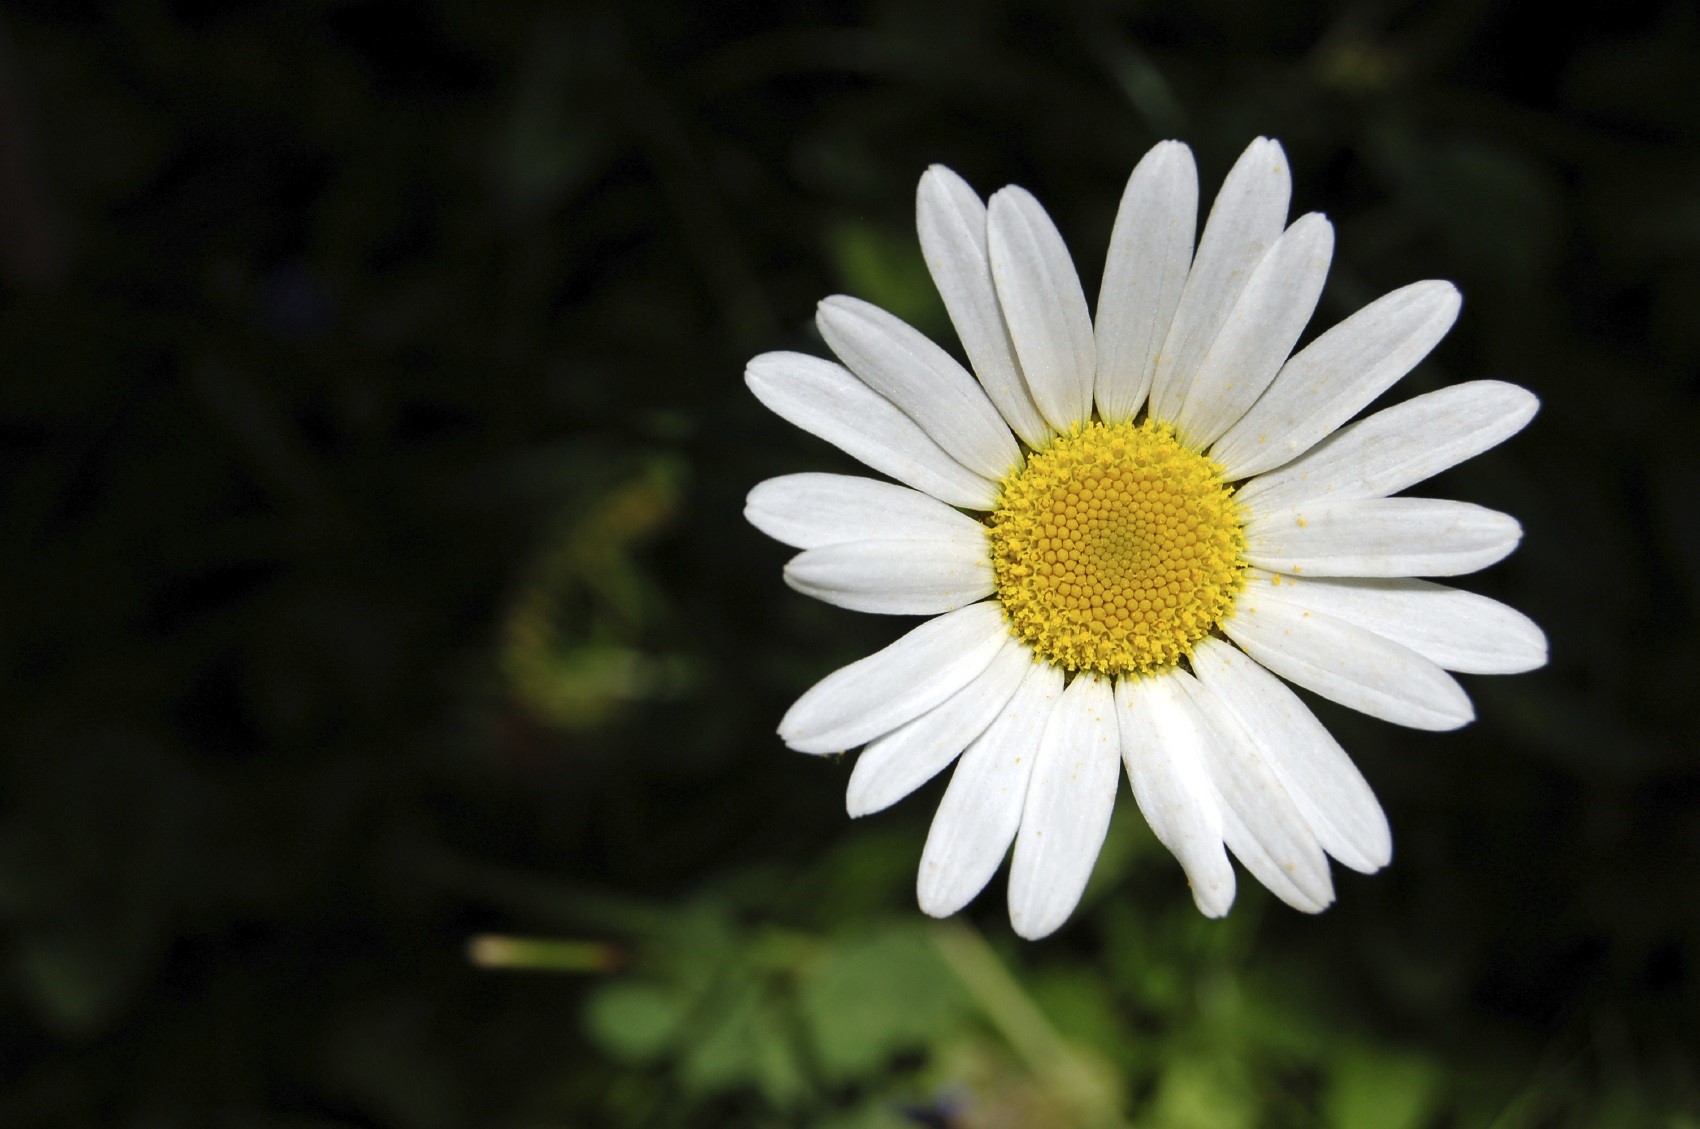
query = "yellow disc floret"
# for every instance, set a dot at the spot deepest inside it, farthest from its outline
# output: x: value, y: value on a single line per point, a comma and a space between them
x: 1116, y: 549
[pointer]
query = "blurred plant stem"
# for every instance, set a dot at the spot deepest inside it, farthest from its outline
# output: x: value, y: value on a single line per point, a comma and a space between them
x: 1075, y: 1079
x: 543, y: 954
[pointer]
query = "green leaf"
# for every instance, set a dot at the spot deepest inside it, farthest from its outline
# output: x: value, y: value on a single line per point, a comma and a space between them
x: 1198, y: 1093
x: 1374, y: 1089
x: 633, y: 1021
x: 721, y: 1056
x: 746, y: 1044
x: 870, y: 998
x: 877, y: 1114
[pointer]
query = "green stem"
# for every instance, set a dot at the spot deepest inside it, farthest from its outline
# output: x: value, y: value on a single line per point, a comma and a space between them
x: 543, y: 954
x: 1078, y: 1080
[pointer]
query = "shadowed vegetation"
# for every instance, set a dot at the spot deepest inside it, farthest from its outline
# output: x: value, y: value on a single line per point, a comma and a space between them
x: 390, y: 679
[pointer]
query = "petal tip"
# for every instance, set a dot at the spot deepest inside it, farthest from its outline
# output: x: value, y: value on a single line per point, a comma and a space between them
x: 1540, y: 650
x: 1213, y: 903
x: 1031, y: 929
x: 793, y: 579
x: 1458, y: 718
x: 937, y: 898
x: 795, y: 736
x: 941, y: 175
x: 757, y: 370
x: 1267, y: 147
x: 1010, y: 196
x: 933, y: 906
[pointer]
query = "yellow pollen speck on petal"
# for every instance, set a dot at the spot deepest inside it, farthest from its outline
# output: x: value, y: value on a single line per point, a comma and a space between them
x: 1115, y: 549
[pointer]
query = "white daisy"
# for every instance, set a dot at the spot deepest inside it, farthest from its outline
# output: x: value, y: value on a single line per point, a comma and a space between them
x: 1124, y: 526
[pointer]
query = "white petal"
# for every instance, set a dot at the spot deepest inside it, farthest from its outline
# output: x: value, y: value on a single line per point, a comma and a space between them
x: 1399, y: 446
x: 1067, y: 813
x: 1345, y: 663
x: 1043, y: 305
x: 1259, y: 332
x: 1163, y: 749
x: 1334, y: 377
x: 1245, y: 221
x: 894, y: 577
x: 1150, y: 251
x: 1380, y: 537
x: 903, y: 365
x: 1263, y: 826
x: 1327, y: 787
x: 825, y: 399
x: 812, y: 509
x: 875, y: 695
x: 1262, y: 864
x: 912, y: 754
x: 1454, y: 629
x: 952, y: 225
x: 981, y: 810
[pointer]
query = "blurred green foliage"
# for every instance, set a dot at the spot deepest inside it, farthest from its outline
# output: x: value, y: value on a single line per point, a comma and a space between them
x: 372, y: 446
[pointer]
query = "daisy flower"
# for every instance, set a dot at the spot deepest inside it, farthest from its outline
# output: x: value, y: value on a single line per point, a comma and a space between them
x: 1128, y: 530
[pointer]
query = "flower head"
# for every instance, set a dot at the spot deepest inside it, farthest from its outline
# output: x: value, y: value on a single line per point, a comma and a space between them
x: 1125, y: 528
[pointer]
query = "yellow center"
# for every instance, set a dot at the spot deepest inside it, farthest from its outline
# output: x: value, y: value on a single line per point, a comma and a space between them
x: 1115, y: 549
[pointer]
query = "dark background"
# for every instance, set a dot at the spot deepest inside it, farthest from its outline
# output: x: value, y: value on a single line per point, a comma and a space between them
x: 372, y: 576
